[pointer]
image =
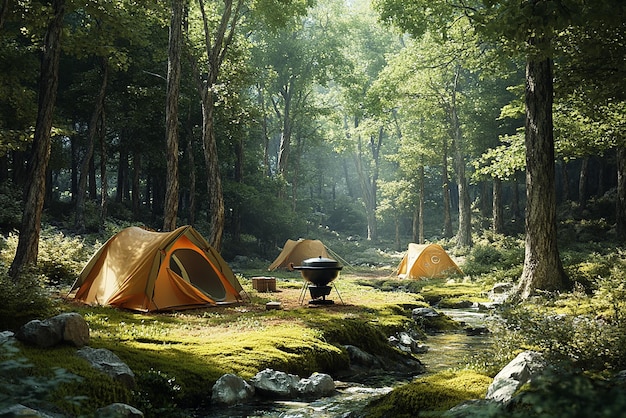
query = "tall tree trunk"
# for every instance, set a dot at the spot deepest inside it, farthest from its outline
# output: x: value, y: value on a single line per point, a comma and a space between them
x: 543, y: 269
x: 214, y: 179
x: 620, y: 210
x: 4, y: 11
x: 420, y: 237
x: 582, y: 182
x: 565, y: 180
x: 170, y: 211
x: 104, y: 178
x: 266, y: 136
x: 286, y: 131
x: 369, y: 181
x: 216, y: 48
x: 122, y: 190
x: 191, y: 160
x: 464, y: 235
x: 94, y: 123
x: 135, y: 188
x: 30, y: 230
x: 74, y: 170
x: 497, y: 224
x: 601, y: 177
x: 447, y: 217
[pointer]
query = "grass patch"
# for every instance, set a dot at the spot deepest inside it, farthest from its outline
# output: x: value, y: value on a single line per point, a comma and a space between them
x: 431, y: 395
x: 450, y: 294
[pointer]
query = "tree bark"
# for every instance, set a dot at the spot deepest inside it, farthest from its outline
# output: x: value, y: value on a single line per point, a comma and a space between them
x: 497, y: 224
x: 420, y: 237
x: 565, y: 180
x: 285, y: 135
x: 30, y: 230
x: 582, y: 183
x: 543, y: 269
x: 447, y: 217
x: 170, y: 211
x: 620, y: 210
x: 135, y: 192
x: 216, y: 49
x: 191, y: 160
x: 369, y: 181
x: 104, y: 178
x: 464, y: 234
x: 79, y: 216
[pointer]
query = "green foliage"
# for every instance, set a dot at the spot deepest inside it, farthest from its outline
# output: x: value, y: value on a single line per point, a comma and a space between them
x: 347, y: 216
x: 567, y: 393
x: 586, y: 336
x: 157, y: 394
x: 23, y: 300
x: 426, y: 395
x: 492, y: 254
x: 61, y: 257
x: 19, y: 385
x: 562, y: 393
x: 95, y: 388
x: 10, y: 206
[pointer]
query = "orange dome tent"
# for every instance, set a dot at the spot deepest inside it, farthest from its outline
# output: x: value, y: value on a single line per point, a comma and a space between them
x: 152, y: 271
x: 426, y: 260
x: 296, y: 251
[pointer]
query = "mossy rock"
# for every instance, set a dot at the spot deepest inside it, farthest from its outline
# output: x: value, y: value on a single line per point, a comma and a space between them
x: 430, y: 395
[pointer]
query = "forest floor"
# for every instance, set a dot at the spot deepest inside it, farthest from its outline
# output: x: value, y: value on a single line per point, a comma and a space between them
x: 194, y: 348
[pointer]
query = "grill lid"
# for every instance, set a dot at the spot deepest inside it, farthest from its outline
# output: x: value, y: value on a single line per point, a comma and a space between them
x: 321, y: 263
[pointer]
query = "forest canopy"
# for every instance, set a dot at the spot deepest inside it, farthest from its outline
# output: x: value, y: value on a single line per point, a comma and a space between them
x: 390, y: 122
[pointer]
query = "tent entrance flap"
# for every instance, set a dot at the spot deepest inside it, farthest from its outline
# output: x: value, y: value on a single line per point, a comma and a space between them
x: 197, y: 270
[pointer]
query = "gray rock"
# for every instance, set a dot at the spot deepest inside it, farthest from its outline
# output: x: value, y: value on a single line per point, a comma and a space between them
x: 275, y: 384
x: 40, y: 333
x: 316, y: 386
x: 521, y: 370
x: 118, y: 410
x: 231, y: 389
x: 66, y: 327
x: 18, y: 410
x: 500, y: 292
x: 108, y: 363
x: 488, y: 306
x: 74, y: 328
x: 424, y: 313
x: 361, y: 358
x: 404, y: 342
x: 6, y: 336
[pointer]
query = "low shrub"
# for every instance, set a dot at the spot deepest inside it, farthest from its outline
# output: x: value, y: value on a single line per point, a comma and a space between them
x: 23, y: 300
x: 562, y: 393
x: 11, y: 204
x: 157, y: 394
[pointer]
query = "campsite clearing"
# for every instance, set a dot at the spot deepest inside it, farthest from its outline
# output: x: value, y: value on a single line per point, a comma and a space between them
x: 197, y: 346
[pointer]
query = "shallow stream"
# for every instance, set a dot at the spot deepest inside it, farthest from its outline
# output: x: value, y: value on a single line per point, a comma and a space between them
x: 446, y: 350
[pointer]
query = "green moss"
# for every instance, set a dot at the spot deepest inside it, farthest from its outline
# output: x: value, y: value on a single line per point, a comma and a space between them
x: 447, y: 294
x: 436, y: 393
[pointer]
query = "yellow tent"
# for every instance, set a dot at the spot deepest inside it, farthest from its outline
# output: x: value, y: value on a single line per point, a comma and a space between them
x: 426, y: 260
x: 151, y: 271
x: 296, y: 251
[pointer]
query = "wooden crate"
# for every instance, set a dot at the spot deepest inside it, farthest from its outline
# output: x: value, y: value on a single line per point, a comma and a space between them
x: 264, y: 284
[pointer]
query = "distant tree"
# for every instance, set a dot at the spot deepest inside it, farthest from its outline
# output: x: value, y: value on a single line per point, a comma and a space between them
x: 171, y: 114
x: 28, y: 244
